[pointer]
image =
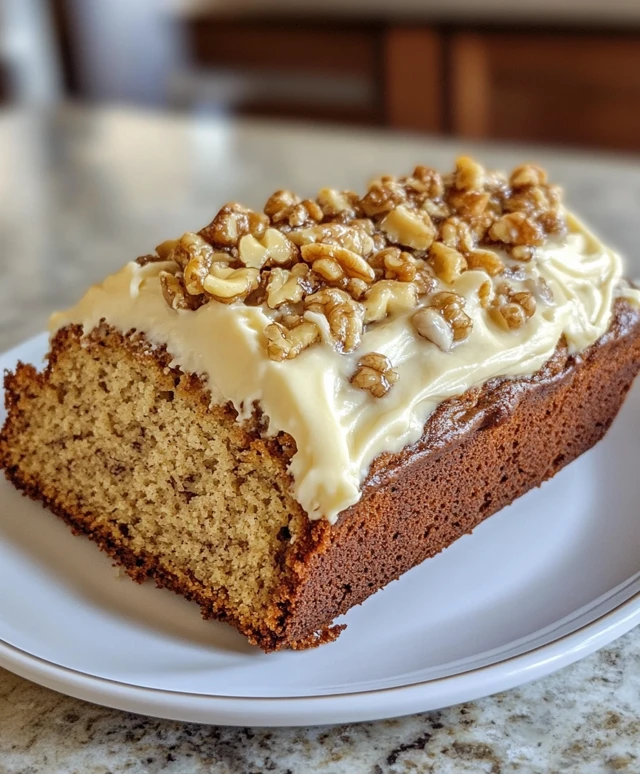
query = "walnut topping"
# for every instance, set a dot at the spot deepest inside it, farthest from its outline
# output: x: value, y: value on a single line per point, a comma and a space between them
x: 272, y: 247
x: 227, y: 284
x: 351, y: 264
x: 528, y: 174
x: 388, y: 297
x: 374, y: 374
x: 444, y: 321
x: 397, y: 265
x: 469, y: 175
x: 516, y: 228
x: 485, y: 291
x: 485, y: 260
x: 410, y: 228
x: 232, y: 222
x: 511, y: 309
x: 448, y: 264
x: 358, y: 261
x: 345, y: 316
x: 432, y: 326
x: 336, y: 204
x: 456, y: 233
x: 286, y: 287
x: 285, y: 344
x: 173, y: 291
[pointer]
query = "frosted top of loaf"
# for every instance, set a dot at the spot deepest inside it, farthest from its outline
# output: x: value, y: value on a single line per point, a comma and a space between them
x: 349, y: 320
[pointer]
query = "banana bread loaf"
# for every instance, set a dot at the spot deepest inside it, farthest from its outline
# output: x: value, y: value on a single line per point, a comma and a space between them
x: 280, y: 414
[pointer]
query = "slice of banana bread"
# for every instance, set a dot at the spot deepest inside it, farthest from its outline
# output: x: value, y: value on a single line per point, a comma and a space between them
x: 279, y: 415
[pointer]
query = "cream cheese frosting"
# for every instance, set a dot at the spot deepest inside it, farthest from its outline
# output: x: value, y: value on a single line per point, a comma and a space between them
x: 340, y: 430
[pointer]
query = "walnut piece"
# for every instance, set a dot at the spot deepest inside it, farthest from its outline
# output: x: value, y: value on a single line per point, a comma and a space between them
x: 443, y: 322
x: 285, y: 344
x: 447, y: 263
x: 516, y: 228
x: 432, y: 326
x: 375, y: 374
x: 232, y: 222
x: 511, y: 309
x: 345, y: 316
x: 486, y: 260
x: 351, y: 264
x: 410, y: 228
x: 388, y: 297
x: 226, y: 284
x: 286, y: 287
x: 272, y: 247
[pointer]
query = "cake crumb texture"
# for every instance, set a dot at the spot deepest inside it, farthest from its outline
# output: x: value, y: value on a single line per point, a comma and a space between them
x: 130, y: 452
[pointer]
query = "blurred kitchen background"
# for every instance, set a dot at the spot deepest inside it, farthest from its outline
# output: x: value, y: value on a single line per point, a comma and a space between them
x: 559, y: 72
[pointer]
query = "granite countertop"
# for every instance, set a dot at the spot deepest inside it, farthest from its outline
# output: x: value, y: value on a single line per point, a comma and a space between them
x: 82, y: 191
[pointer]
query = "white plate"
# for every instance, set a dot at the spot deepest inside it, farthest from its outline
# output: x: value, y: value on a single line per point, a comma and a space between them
x: 541, y: 584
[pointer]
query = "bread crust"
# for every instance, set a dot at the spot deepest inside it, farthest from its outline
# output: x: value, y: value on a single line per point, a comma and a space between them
x: 478, y: 453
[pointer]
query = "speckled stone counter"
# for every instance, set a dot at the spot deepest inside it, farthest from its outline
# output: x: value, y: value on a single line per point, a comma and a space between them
x: 584, y: 719
x: 82, y: 191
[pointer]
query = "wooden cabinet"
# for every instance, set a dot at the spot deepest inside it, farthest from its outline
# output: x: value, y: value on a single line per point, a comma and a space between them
x: 560, y: 88
x: 413, y: 63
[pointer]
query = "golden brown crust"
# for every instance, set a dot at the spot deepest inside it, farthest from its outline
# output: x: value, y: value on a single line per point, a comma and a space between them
x: 479, y: 452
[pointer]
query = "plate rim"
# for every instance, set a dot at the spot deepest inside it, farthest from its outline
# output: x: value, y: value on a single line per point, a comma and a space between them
x: 351, y: 706
x: 360, y: 706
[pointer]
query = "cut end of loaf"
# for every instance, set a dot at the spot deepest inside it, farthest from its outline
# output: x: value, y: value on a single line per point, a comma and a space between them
x: 129, y: 452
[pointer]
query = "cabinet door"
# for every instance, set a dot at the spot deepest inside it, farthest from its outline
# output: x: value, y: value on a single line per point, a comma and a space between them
x: 413, y: 79
x: 560, y: 88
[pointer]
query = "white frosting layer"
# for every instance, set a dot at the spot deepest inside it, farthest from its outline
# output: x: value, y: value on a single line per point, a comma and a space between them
x: 339, y: 430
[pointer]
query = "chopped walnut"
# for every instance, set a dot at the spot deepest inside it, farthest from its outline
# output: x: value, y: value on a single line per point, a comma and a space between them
x: 279, y: 204
x: 232, y: 222
x: 426, y: 181
x: 226, y: 284
x: 516, y: 228
x: 375, y: 374
x: 336, y: 204
x: 486, y: 260
x: 468, y: 204
x: 354, y: 237
x: 285, y: 344
x: 522, y: 253
x: 286, y: 287
x: 444, y: 321
x: 304, y: 213
x: 447, y: 263
x: 432, y: 326
x: 195, y: 256
x: 345, y: 316
x: 273, y: 247
x: 174, y: 293
x: 388, y: 297
x: 351, y: 264
x: 528, y: 174
x: 357, y: 288
x: 166, y: 248
x: 395, y: 264
x: 383, y: 196
x: 511, y: 309
x: 485, y: 291
x: 410, y: 228
x: 469, y: 175
x: 456, y: 233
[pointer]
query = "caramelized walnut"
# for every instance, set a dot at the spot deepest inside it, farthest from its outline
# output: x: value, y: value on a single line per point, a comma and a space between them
x: 374, y: 374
